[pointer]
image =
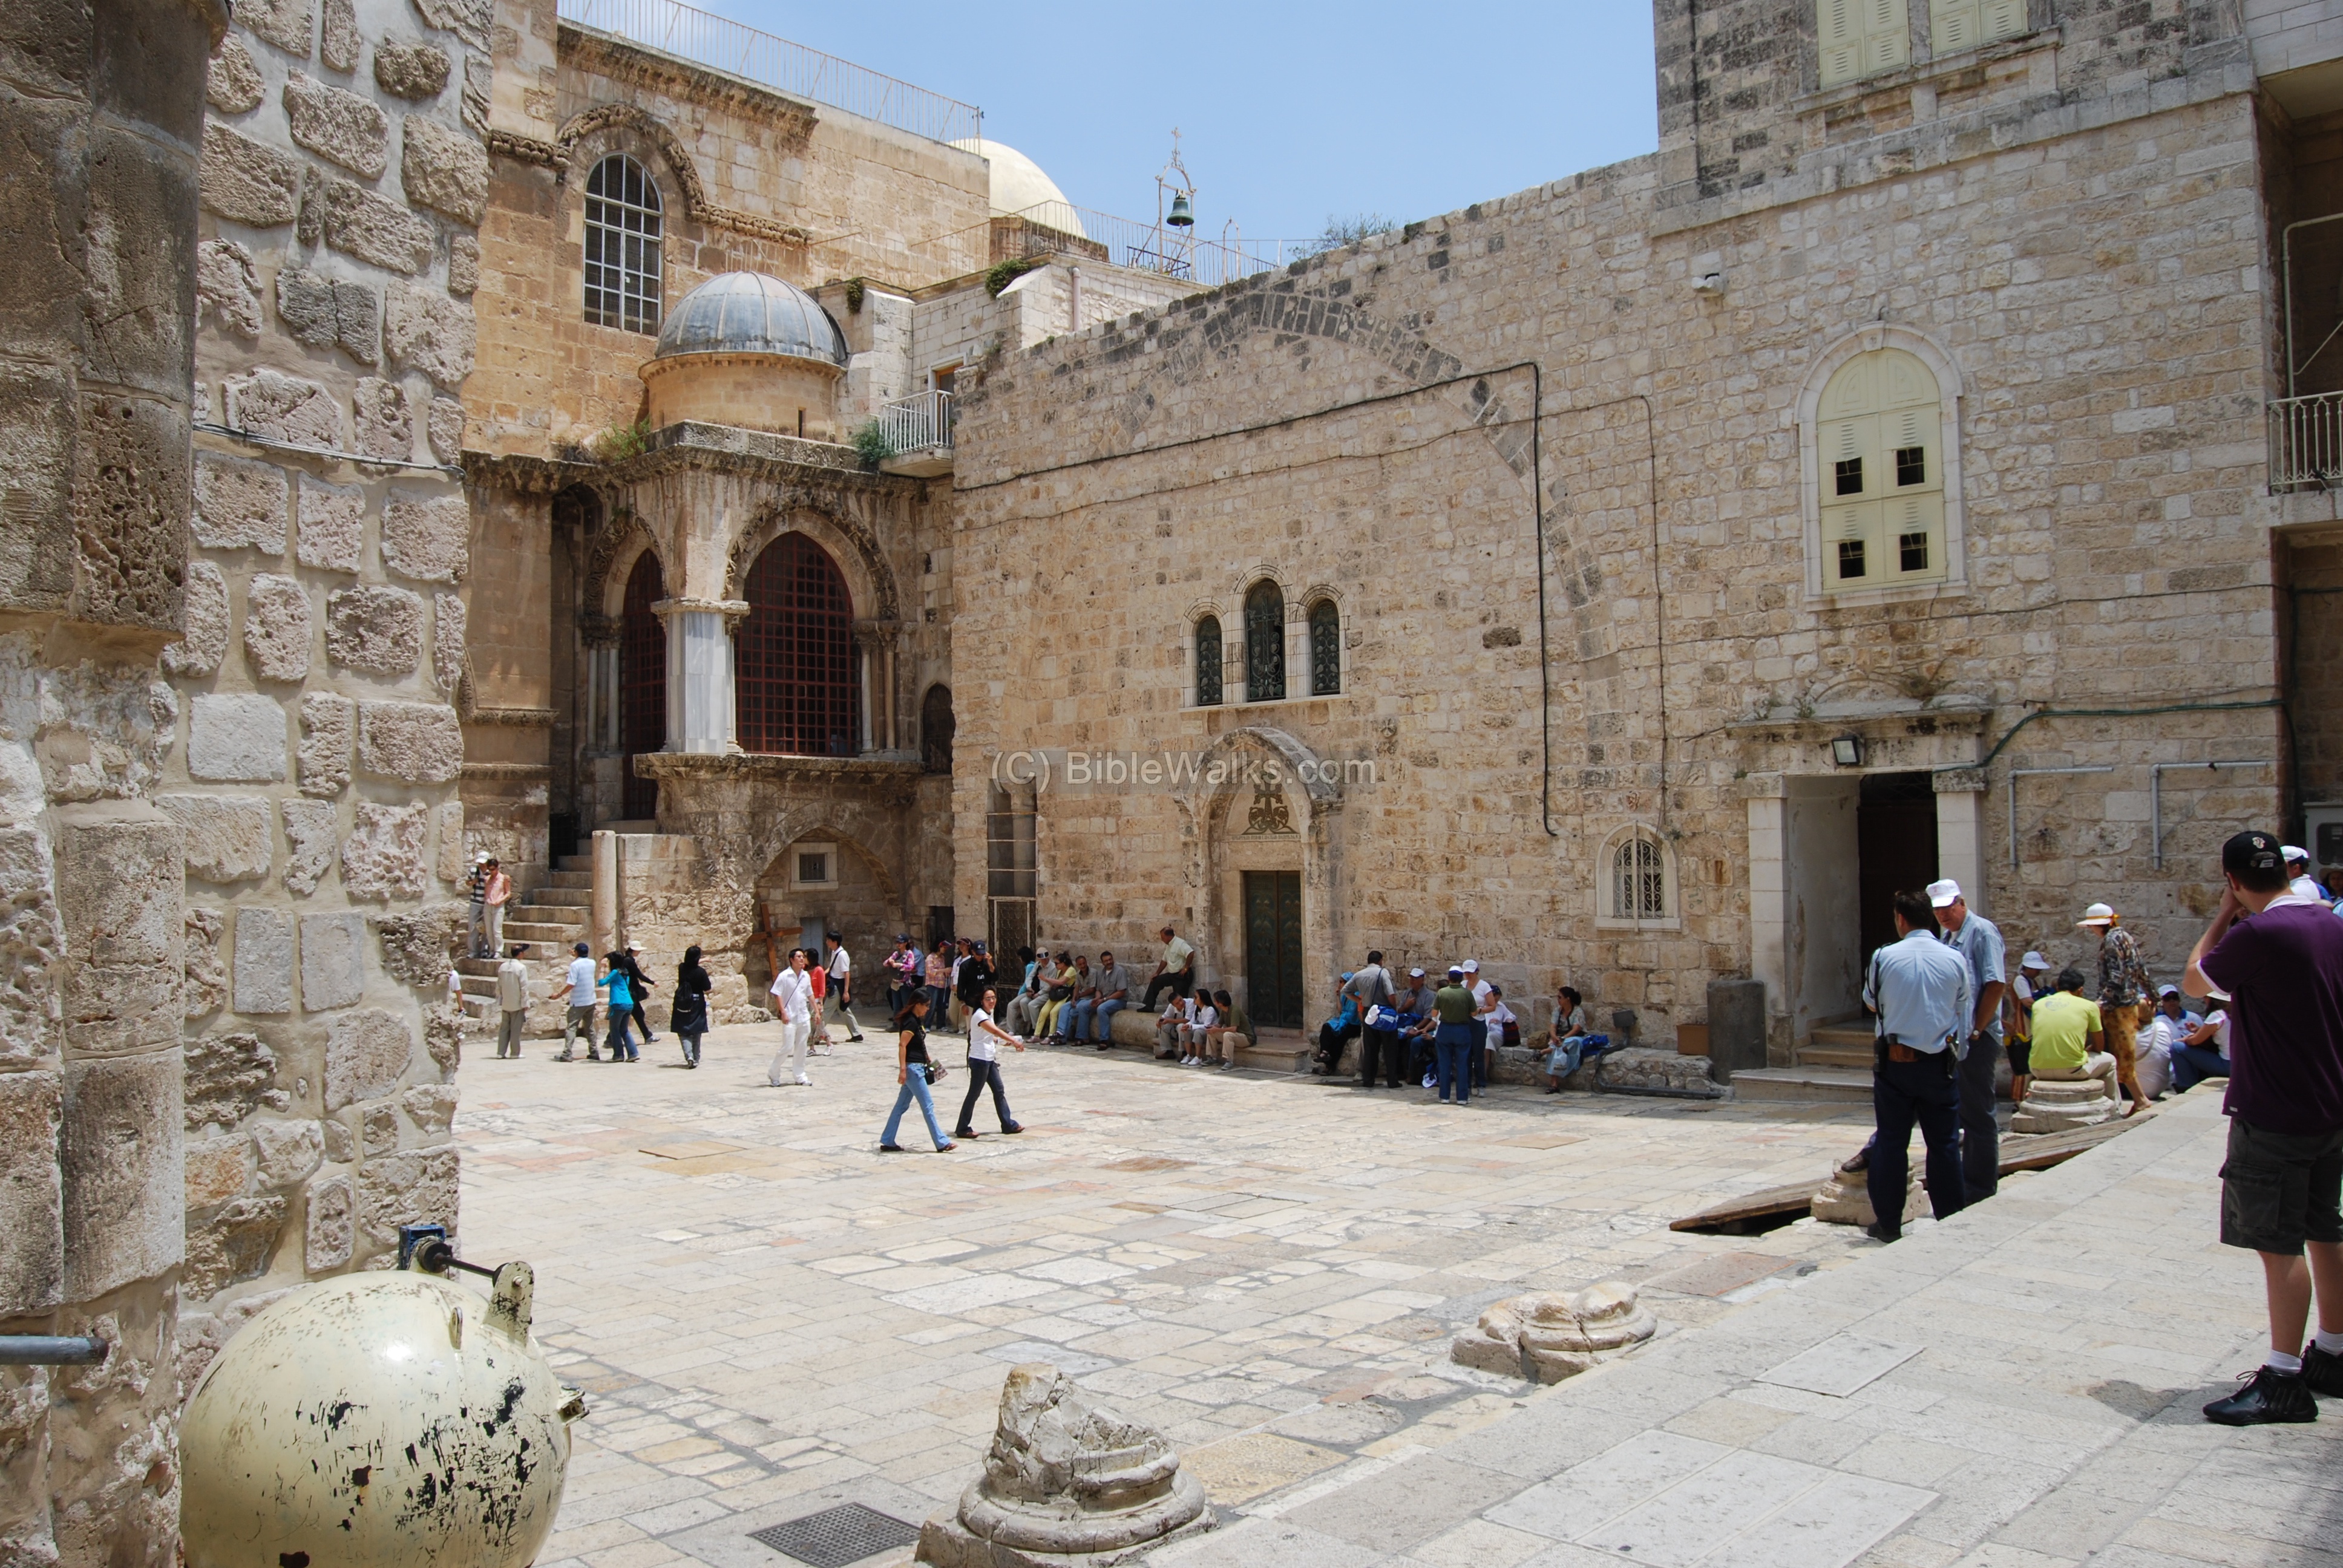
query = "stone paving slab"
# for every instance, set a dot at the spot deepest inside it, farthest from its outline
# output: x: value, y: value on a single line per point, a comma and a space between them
x: 2067, y: 1332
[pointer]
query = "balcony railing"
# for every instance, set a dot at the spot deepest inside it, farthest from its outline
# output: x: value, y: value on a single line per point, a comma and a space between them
x: 1127, y: 242
x: 923, y: 423
x: 724, y: 44
x: 2305, y: 442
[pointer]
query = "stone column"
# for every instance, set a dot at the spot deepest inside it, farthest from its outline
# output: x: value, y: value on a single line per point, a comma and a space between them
x: 874, y: 641
x: 1960, y: 832
x: 1769, y: 900
x: 699, y: 673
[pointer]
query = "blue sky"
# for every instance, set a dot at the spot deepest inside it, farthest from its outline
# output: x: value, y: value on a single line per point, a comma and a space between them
x: 1289, y: 112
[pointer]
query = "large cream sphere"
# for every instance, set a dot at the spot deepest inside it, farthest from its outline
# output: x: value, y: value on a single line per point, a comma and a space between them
x: 375, y: 1419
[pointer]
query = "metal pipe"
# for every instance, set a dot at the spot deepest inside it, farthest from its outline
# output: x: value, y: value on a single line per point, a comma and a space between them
x: 51, y: 1351
x: 2155, y: 800
x: 2017, y: 773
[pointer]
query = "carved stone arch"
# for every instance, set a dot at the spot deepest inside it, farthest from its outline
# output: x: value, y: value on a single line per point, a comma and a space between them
x: 768, y: 846
x: 1218, y: 772
x: 644, y: 132
x: 850, y: 541
x: 622, y: 539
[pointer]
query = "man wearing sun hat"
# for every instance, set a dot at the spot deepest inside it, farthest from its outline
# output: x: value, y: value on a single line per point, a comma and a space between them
x: 2124, y: 986
x: 2031, y: 969
x: 2300, y: 881
x: 1979, y: 941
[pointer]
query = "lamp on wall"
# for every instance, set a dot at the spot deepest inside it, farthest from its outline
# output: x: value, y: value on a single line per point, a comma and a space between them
x: 1846, y: 750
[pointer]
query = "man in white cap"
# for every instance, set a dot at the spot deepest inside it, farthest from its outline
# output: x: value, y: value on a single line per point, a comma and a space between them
x: 2028, y: 980
x: 1481, y: 1002
x: 2300, y: 881
x: 2124, y: 985
x: 1979, y: 941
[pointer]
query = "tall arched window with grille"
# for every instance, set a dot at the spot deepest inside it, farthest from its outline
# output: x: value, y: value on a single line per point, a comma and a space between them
x: 1264, y: 628
x: 1208, y: 662
x: 642, y: 686
x: 1637, y: 882
x: 793, y: 686
x: 623, y: 229
x: 1325, y: 648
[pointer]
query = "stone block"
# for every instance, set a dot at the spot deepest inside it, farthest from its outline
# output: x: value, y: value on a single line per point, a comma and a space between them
x: 206, y: 988
x: 415, y: 72
x: 203, y: 643
x: 286, y: 1152
x: 32, y: 1195
x: 228, y: 287
x: 448, y: 618
x: 322, y: 312
x: 338, y: 39
x: 234, y: 1245
x: 443, y: 1036
x: 376, y: 231
x: 375, y: 630
x: 341, y: 1148
x: 463, y: 265
x: 378, y: 1128
x: 1736, y: 1026
x: 368, y: 1053
x: 284, y: 408
x: 417, y: 1188
x: 329, y: 531
x: 239, y: 503
x: 121, y: 1146
x: 309, y: 228
x: 480, y: 89
x: 236, y: 737
x: 444, y: 170
x: 233, y: 83
x: 229, y: 1077
x: 431, y: 1107
x: 338, y: 125
x: 247, y: 182
x: 1555, y: 1334
x: 121, y: 887
x: 264, y: 961
x: 427, y: 330
x: 287, y: 24
x: 130, y: 495
x: 2061, y: 1105
x: 467, y: 19
x: 217, y: 1170
x: 227, y: 837
x: 312, y: 833
x: 136, y: 228
x: 385, y: 427
x: 32, y: 946
x: 333, y: 960
x: 418, y: 742
x: 383, y: 856
x: 276, y: 628
x: 1845, y: 1198
x: 449, y: 867
x: 426, y: 536
x: 447, y: 431
x: 328, y: 1231
x: 328, y: 728
x: 418, y: 947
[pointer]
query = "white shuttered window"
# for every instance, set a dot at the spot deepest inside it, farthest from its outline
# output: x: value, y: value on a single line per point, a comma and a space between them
x: 1881, y: 466
x: 1957, y: 25
x: 1862, y: 39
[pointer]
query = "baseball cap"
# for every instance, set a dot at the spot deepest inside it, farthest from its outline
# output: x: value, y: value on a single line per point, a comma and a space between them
x: 1471, y: 966
x: 1415, y: 974
x: 1348, y: 973
x: 2251, y: 850
x: 2295, y: 852
x: 1455, y: 973
x: 2165, y: 991
x: 2033, y: 961
x: 1941, y: 894
x: 2097, y: 915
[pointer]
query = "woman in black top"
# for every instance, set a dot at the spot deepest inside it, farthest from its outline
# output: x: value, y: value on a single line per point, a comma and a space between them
x: 912, y: 1073
x: 688, y: 1016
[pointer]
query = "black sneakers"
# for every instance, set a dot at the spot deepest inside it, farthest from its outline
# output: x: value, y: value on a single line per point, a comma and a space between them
x: 2269, y: 1395
x: 2323, y: 1370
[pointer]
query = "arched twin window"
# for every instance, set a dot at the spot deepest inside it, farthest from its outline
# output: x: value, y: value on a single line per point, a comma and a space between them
x: 623, y: 229
x: 1264, y: 644
x: 1635, y: 881
x: 1264, y: 649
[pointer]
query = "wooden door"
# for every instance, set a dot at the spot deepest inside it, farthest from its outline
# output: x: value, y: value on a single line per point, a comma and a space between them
x: 1272, y: 902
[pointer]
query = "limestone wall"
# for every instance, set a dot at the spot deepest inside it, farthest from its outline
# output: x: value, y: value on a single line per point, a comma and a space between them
x: 318, y: 749
x: 2095, y: 296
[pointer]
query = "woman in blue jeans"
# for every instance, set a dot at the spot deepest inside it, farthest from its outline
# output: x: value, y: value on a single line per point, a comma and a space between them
x: 911, y: 1074
x: 1459, y: 1037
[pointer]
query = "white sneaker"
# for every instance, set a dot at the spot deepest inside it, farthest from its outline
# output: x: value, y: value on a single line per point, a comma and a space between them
x: 804, y: 1081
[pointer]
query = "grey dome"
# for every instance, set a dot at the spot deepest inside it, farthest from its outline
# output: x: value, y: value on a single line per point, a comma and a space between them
x: 750, y: 312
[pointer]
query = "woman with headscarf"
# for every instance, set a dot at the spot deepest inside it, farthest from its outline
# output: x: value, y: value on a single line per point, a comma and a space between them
x: 688, y: 1016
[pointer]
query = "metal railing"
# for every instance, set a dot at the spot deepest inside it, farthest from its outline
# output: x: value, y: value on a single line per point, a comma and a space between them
x: 1145, y: 247
x: 724, y: 44
x: 2305, y: 442
x: 920, y: 423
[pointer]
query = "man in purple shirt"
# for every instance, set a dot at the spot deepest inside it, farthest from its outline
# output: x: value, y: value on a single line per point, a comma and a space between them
x: 2279, y: 959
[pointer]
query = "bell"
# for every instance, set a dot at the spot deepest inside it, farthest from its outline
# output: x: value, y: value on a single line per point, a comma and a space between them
x: 1182, y: 215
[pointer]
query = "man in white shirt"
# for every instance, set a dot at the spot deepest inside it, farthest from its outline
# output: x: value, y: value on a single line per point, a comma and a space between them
x: 1484, y: 999
x: 2166, y: 1029
x: 581, y: 1008
x: 2300, y: 881
x: 839, y: 1001
x: 2203, y: 1051
x: 1174, y: 971
x: 793, y: 1005
x: 512, y: 1001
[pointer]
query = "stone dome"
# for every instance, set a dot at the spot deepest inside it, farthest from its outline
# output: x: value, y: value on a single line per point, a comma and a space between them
x: 1019, y: 186
x: 750, y: 312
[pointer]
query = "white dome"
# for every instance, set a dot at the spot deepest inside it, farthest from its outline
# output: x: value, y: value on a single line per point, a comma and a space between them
x: 1019, y: 186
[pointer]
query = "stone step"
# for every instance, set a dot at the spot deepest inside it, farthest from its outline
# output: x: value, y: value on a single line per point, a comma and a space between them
x: 580, y: 878
x: 1855, y: 1032
x: 547, y: 932
x: 560, y: 898
x: 1828, y: 1085
x: 1853, y: 1058
x: 630, y: 826
x: 575, y: 863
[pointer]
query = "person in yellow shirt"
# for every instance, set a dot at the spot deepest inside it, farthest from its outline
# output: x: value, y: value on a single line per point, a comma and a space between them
x: 2069, y: 1036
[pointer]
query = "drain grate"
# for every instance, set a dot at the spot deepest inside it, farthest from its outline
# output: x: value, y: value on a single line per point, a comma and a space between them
x: 838, y: 1536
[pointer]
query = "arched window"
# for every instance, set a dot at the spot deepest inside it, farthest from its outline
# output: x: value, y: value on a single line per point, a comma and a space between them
x: 1880, y: 461
x: 936, y: 729
x: 794, y: 688
x: 1638, y: 886
x: 642, y: 685
x: 1208, y: 662
x: 1325, y: 648
x: 1264, y: 626
x: 622, y: 246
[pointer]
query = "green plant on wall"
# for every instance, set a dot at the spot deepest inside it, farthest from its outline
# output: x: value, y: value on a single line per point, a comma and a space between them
x: 854, y: 295
x: 871, y: 442
x: 1004, y: 273
x: 620, y: 442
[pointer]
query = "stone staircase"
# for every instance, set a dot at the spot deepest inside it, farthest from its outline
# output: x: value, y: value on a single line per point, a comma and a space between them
x: 549, y: 918
x: 1833, y: 1066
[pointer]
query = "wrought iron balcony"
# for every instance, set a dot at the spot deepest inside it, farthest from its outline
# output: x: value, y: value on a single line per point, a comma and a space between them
x: 918, y: 431
x: 2305, y: 442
